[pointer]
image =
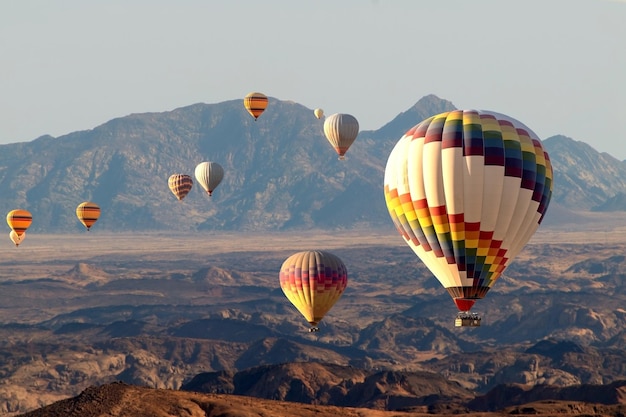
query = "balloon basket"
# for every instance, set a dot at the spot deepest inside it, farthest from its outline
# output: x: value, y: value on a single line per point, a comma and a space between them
x: 314, y: 329
x: 467, y: 319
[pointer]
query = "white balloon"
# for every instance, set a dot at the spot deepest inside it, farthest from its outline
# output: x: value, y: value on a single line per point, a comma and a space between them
x: 209, y: 175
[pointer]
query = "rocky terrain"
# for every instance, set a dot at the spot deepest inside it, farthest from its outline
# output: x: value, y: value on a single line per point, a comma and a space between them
x: 192, y: 312
x: 122, y: 400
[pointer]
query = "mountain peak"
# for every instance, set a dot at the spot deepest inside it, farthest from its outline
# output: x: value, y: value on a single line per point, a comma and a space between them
x: 425, y: 107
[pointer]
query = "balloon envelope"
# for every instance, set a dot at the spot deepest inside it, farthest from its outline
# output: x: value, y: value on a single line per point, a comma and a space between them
x: 341, y: 131
x: 19, y: 220
x: 88, y: 213
x: 319, y: 113
x: 313, y: 281
x: 15, y: 238
x: 467, y: 189
x: 209, y: 175
x: 255, y: 103
x: 180, y: 185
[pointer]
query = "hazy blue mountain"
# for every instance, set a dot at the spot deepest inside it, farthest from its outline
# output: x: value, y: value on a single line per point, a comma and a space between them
x: 281, y: 172
x: 585, y: 178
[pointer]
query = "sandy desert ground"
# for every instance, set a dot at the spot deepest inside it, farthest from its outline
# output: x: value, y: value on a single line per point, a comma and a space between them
x: 63, y: 274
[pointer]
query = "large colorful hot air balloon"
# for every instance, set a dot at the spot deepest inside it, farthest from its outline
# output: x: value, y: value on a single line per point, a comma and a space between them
x: 209, y: 175
x: 341, y: 131
x: 313, y: 281
x: 467, y: 189
x: 319, y: 113
x: 19, y: 220
x: 180, y: 185
x: 255, y: 103
x: 88, y: 213
x: 15, y: 238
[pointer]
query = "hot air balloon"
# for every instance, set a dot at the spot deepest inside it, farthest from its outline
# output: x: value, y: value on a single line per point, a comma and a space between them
x: 341, y: 130
x: 19, y: 220
x: 180, y: 185
x: 209, y: 175
x: 467, y: 189
x: 313, y: 281
x: 255, y: 103
x: 88, y: 213
x: 15, y: 238
x: 319, y: 113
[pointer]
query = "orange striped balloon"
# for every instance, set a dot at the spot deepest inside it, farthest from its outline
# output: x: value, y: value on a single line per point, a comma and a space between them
x: 19, y: 220
x: 255, y: 103
x: 88, y: 213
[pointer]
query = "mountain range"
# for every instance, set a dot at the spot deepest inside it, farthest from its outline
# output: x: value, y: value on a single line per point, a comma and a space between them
x: 280, y: 172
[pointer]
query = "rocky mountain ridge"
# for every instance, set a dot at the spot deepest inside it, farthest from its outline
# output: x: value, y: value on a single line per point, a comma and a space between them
x: 281, y: 173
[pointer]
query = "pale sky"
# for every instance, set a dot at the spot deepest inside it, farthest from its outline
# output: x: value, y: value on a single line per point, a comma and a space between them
x: 559, y: 66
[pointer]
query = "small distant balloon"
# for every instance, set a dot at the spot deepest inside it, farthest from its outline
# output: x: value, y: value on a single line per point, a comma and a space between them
x: 180, y: 185
x: 88, y: 213
x: 341, y: 131
x: 319, y: 113
x: 19, y: 220
x: 255, y: 103
x: 15, y: 238
x: 209, y: 175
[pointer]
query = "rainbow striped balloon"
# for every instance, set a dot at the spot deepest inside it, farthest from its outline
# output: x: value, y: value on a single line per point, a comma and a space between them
x: 467, y: 189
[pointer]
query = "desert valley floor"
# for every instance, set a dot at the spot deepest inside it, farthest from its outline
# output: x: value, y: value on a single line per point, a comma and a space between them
x: 157, y: 309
